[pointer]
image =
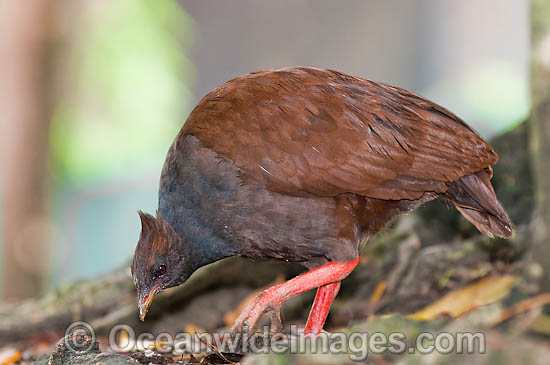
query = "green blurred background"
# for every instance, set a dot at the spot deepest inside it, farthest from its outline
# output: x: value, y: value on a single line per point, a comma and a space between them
x: 116, y: 80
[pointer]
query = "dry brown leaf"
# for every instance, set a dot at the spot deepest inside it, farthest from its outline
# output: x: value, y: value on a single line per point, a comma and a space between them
x: 192, y: 329
x: 463, y: 300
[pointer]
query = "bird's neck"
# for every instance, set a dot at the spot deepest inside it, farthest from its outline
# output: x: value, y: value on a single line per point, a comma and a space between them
x: 200, y: 242
x: 192, y: 196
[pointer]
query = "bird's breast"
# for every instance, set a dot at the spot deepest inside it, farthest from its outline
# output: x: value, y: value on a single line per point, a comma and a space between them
x: 213, y: 207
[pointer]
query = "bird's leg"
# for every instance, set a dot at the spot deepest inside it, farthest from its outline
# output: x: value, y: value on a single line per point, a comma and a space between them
x: 273, y: 298
x: 321, y: 306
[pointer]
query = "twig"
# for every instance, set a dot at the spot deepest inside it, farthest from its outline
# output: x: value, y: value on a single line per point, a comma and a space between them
x: 521, y: 307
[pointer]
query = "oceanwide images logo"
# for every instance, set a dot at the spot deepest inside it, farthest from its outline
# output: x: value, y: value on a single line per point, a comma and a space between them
x: 80, y: 338
x: 357, y: 345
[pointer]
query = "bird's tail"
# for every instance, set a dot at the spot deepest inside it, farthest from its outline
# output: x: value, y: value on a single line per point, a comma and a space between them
x: 474, y: 197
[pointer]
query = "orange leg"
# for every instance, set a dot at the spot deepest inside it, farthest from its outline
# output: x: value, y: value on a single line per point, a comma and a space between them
x: 273, y: 298
x: 321, y: 306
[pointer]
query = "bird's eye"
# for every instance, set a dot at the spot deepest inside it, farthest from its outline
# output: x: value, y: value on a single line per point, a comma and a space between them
x: 160, y: 271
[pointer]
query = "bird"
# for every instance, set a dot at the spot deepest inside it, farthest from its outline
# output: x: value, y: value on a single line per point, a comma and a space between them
x: 305, y: 164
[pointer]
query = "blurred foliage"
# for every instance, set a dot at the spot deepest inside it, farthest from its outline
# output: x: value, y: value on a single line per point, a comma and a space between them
x: 124, y: 92
x: 540, y: 17
x: 494, y: 95
x: 497, y: 94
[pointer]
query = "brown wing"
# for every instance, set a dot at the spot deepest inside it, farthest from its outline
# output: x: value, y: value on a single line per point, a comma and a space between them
x: 307, y: 131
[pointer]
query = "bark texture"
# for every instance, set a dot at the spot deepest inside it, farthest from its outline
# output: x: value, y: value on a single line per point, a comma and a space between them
x: 540, y: 130
x: 24, y: 32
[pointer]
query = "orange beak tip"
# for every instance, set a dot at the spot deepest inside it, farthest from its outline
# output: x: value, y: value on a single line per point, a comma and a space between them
x: 145, y: 303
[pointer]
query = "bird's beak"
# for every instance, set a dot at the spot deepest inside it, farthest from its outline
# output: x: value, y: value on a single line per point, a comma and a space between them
x: 145, y: 302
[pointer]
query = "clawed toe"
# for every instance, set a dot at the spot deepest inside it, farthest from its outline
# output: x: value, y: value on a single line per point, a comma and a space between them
x: 249, y: 322
x: 250, y: 316
x: 276, y: 321
x: 327, y: 277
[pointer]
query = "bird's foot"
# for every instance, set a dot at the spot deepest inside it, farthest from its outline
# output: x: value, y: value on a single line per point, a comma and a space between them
x: 267, y: 301
x: 272, y: 299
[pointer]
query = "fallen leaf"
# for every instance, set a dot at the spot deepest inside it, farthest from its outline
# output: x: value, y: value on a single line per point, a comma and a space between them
x: 9, y: 356
x: 541, y: 325
x: 124, y: 340
x: 192, y: 329
x: 463, y: 300
x: 378, y: 292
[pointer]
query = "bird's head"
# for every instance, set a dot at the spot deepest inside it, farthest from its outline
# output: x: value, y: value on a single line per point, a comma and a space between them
x: 160, y: 260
